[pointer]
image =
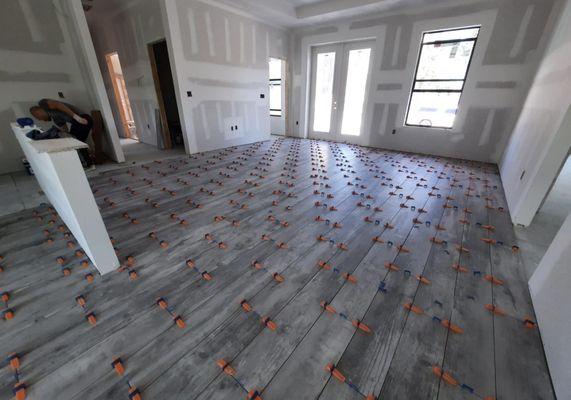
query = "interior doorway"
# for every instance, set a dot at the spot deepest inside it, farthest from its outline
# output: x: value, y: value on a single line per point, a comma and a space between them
x: 339, y: 80
x: 171, y: 130
x: 278, y: 109
x: 128, y: 128
x: 537, y: 237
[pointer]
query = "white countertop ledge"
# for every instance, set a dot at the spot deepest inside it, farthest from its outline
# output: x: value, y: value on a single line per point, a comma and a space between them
x: 57, y: 145
x: 49, y: 145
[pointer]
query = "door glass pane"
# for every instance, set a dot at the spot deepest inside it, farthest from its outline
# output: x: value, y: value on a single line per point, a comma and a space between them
x: 357, y: 71
x: 436, y: 110
x: 324, y: 72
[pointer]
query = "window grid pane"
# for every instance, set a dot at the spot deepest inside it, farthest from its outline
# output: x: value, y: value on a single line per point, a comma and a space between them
x: 440, y: 76
x: 454, y: 34
x: 433, y: 110
x: 444, y: 61
x: 275, y: 96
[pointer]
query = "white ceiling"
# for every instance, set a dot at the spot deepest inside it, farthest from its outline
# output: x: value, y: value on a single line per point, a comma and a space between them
x: 298, y: 13
x: 296, y: 3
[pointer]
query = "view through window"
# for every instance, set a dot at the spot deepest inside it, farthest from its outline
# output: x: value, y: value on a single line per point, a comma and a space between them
x: 275, y: 87
x: 441, y: 72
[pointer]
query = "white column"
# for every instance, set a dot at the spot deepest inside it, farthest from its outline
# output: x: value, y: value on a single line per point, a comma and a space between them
x: 550, y: 288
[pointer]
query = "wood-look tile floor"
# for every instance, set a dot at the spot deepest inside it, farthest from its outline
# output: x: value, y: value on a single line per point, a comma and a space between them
x: 312, y: 269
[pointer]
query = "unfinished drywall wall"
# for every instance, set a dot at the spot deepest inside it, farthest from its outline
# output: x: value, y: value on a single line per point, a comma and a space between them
x: 37, y: 60
x: 512, y: 36
x: 542, y: 136
x: 549, y: 287
x: 127, y: 28
x: 221, y: 72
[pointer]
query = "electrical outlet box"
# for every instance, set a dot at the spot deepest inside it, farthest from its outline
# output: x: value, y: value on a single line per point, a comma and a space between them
x: 233, y: 128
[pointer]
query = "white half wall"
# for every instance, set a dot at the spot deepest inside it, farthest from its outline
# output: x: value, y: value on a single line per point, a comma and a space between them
x: 58, y: 171
x: 549, y: 287
x: 542, y: 136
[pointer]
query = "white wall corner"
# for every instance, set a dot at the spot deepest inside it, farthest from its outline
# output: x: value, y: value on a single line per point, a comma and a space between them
x: 95, y: 83
x: 549, y: 288
x: 173, y: 36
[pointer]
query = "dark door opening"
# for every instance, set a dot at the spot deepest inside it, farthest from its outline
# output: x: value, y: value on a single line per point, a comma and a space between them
x: 166, y: 96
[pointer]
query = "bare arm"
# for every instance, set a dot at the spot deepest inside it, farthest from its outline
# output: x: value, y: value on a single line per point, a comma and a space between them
x: 57, y: 105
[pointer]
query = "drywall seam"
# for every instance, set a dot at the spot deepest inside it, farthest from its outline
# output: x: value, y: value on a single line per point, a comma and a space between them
x: 238, y: 11
x: 193, y: 33
x: 227, y: 40
x: 485, y: 138
x: 522, y: 31
x: 496, y: 85
x: 389, y: 86
x: 254, y: 60
x: 32, y: 22
x: 210, y: 35
x: 29, y: 76
x: 227, y: 84
x: 396, y: 47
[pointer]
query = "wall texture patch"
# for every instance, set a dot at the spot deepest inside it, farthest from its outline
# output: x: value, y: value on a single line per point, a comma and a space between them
x: 391, y: 118
x: 30, y: 76
x: 389, y: 86
x: 496, y: 85
x: 229, y: 84
x: 30, y: 25
x: 397, y: 44
x: 511, y: 16
x: 218, y: 36
x: 378, y: 114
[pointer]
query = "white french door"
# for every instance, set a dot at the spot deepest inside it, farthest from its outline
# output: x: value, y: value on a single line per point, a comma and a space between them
x: 339, y: 82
